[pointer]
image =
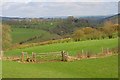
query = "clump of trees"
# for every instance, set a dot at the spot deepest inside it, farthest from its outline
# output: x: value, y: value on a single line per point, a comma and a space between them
x: 68, y: 25
x: 78, y: 35
x: 6, y: 37
x: 109, y: 30
x: 0, y: 36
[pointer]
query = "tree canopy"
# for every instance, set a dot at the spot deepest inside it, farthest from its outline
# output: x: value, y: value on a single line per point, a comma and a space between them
x: 6, y: 37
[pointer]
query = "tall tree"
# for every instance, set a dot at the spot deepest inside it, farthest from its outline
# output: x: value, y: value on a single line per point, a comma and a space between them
x: 0, y: 36
x: 6, y: 37
x: 108, y: 28
x: 78, y: 35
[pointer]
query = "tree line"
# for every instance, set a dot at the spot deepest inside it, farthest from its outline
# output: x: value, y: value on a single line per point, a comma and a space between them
x: 109, y: 30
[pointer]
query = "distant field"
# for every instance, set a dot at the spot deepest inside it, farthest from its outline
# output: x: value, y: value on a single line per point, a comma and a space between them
x: 91, y: 68
x: 72, y: 48
x: 48, y: 25
x: 22, y: 34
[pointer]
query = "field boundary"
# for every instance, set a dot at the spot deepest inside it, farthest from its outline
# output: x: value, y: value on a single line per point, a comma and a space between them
x: 60, y: 56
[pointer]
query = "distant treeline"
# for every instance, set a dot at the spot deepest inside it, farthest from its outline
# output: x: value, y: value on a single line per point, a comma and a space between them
x: 75, y: 29
x: 60, y: 26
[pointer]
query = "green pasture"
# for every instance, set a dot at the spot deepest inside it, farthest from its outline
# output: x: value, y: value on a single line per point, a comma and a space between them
x: 94, y: 46
x: 22, y: 34
x: 89, y: 68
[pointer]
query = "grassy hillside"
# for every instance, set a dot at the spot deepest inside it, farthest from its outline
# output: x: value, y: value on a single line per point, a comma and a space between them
x: 91, y: 68
x: 22, y: 34
x: 72, y: 47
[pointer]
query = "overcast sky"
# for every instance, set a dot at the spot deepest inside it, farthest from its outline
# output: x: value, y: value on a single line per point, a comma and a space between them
x: 58, y: 8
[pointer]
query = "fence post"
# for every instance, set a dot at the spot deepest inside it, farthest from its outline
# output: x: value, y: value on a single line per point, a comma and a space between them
x: 33, y: 57
x: 82, y: 51
x: 27, y: 57
x: 62, y: 53
x: 64, y: 56
x: 107, y: 50
x: 88, y: 54
x: 22, y: 57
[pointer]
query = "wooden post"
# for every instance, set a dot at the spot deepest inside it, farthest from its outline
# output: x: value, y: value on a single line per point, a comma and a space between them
x: 88, y: 55
x: 33, y: 57
x: 85, y: 54
x: 63, y: 55
x: 22, y: 57
x: 66, y: 57
x: 107, y: 50
x: 82, y: 51
x: 27, y: 56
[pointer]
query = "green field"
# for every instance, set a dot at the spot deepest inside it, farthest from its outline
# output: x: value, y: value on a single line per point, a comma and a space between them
x: 91, y: 68
x: 106, y: 67
x: 17, y: 34
x: 95, y: 46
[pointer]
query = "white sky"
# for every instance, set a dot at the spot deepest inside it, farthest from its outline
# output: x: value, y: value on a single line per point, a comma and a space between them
x: 59, y: 0
x: 40, y: 8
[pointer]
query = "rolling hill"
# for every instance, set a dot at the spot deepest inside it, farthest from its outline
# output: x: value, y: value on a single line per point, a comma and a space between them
x: 27, y: 30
